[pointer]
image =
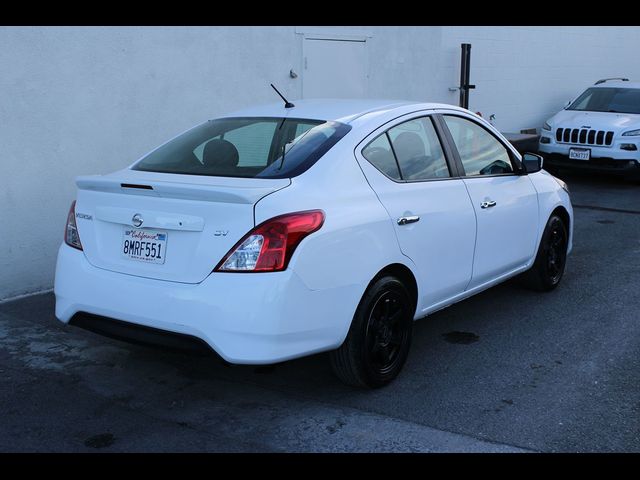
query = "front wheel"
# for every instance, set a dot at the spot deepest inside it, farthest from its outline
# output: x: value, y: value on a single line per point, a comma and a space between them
x: 378, y: 341
x: 548, y: 267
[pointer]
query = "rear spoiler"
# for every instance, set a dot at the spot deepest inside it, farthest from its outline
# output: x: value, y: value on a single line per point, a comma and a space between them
x: 248, y: 192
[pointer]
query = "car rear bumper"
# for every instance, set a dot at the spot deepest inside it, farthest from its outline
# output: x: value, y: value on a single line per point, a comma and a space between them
x: 245, y: 318
x: 139, y: 334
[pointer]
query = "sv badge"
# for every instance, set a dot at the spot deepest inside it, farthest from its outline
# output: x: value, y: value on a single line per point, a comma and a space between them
x: 220, y: 233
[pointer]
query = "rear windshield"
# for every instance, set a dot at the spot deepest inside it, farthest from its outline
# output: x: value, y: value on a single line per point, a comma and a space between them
x: 246, y: 147
x: 619, y: 100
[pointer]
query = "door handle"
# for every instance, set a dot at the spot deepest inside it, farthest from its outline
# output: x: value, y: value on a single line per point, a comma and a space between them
x: 406, y: 220
x: 488, y: 204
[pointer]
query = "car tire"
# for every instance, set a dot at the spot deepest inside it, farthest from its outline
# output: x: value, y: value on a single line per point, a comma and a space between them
x: 377, y: 345
x: 548, y: 267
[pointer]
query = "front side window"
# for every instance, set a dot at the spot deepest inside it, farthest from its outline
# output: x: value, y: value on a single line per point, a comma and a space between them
x: 246, y: 147
x: 608, y: 99
x: 480, y: 152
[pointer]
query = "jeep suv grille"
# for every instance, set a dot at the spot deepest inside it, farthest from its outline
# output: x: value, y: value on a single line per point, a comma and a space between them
x: 584, y: 136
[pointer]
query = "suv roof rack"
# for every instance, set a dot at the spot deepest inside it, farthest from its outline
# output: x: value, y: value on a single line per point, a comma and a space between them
x: 613, y: 78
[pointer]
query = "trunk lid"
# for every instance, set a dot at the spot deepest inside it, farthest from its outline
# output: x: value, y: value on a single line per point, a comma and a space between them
x: 197, y: 218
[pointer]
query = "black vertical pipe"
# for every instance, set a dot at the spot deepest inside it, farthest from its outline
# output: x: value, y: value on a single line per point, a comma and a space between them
x: 465, y: 67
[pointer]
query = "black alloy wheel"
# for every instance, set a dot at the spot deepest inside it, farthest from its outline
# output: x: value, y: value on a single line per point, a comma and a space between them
x: 551, y: 259
x: 385, y: 333
x: 556, y: 252
x: 378, y: 341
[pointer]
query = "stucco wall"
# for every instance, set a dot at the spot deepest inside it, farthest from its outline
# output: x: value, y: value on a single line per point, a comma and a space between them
x: 91, y: 100
x: 526, y: 74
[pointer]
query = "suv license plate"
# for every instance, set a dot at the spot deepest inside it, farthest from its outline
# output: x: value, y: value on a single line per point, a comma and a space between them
x: 579, y: 153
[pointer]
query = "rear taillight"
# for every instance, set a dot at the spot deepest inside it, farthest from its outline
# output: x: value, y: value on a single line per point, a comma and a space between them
x: 71, y: 235
x: 270, y: 245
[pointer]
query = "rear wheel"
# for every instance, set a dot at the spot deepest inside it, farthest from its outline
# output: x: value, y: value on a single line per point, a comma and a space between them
x: 378, y: 341
x: 548, y: 268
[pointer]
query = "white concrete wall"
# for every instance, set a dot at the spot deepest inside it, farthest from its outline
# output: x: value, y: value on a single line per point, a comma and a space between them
x: 526, y: 74
x: 91, y: 100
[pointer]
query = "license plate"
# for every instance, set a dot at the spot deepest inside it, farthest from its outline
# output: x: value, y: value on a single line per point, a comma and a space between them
x: 144, y: 245
x: 579, y: 153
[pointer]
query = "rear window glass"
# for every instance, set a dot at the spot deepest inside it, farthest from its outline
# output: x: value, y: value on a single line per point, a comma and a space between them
x: 246, y: 147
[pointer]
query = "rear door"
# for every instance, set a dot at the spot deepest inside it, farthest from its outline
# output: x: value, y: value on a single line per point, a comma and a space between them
x: 505, y: 201
x: 428, y: 203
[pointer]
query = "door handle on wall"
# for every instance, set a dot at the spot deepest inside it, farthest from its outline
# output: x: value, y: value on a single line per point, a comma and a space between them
x: 406, y: 220
x: 488, y: 204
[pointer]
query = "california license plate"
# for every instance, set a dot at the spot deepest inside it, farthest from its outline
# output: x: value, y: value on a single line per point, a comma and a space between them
x: 579, y: 153
x: 144, y: 245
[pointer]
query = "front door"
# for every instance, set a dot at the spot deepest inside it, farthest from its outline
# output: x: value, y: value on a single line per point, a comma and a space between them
x: 505, y: 202
x: 431, y: 211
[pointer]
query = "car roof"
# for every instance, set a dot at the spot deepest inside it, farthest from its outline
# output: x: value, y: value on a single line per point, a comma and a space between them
x: 340, y: 110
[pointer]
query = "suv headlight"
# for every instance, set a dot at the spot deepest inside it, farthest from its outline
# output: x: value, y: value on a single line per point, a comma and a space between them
x: 546, y: 126
x: 632, y: 133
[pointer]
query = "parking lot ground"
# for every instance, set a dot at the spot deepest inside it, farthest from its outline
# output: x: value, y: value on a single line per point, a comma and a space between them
x: 507, y: 370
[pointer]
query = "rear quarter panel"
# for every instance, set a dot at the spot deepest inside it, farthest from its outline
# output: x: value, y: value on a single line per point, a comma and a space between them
x: 357, y: 239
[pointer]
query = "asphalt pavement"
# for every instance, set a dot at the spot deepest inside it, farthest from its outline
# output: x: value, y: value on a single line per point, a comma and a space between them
x: 508, y: 370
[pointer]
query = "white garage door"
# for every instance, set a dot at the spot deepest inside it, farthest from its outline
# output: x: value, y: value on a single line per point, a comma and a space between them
x: 334, y: 68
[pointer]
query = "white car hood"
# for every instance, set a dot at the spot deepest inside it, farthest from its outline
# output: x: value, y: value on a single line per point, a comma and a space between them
x: 595, y: 120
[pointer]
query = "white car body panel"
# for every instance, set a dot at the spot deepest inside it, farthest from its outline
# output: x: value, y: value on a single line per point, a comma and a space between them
x: 506, y: 233
x: 254, y: 319
x: 220, y: 212
x: 269, y: 317
x: 550, y: 197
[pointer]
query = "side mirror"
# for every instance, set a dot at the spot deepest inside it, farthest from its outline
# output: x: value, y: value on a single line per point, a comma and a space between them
x: 532, y: 162
x: 567, y: 103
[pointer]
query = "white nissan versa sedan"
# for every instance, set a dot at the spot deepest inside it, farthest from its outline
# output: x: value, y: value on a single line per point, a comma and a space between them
x: 276, y: 232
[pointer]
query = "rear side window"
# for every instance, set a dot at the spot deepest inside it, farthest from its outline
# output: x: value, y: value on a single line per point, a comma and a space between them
x: 409, y: 151
x: 380, y: 155
x: 246, y: 147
